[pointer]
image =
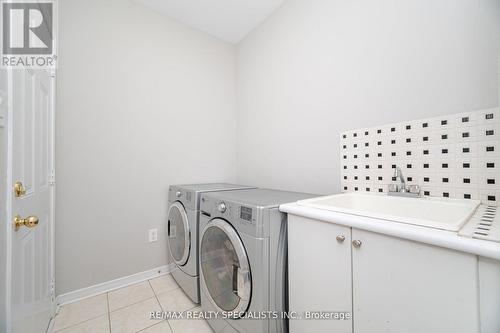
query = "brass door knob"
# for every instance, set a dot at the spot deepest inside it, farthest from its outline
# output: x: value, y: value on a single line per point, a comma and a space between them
x: 19, y: 190
x: 29, y: 222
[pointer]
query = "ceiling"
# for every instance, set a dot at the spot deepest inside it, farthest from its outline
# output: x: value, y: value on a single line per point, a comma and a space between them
x: 229, y: 20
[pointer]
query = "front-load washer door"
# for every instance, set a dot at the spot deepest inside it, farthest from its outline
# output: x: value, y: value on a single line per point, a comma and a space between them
x: 225, y: 270
x: 179, y: 237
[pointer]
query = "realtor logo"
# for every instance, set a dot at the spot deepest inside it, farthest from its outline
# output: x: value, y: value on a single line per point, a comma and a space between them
x: 28, y: 36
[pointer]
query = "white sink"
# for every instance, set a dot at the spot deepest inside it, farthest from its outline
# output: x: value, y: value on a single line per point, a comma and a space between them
x: 446, y: 214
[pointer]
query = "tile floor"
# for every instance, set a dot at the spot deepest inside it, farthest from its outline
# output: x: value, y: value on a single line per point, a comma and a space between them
x: 127, y: 310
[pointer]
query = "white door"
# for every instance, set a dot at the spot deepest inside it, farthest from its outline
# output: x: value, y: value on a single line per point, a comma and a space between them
x: 404, y: 286
x: 179, y: 235
x: 225, y: 270
x: 319, y: 274
x: 31, y: 195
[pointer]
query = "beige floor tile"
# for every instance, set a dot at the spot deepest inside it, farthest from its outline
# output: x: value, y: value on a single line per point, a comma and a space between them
x: 129, y: 295
x: 135, y: 317
x: 190, y: 326
x: 75, y: 313
x: 97, y: 325
x: 175, y: 300
x: 162, y: 327
x: 163, y: 284
x: 193, y: 313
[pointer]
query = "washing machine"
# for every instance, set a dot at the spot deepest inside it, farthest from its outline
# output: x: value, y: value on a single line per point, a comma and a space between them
x: 243, y: 260
x: 183, y: 229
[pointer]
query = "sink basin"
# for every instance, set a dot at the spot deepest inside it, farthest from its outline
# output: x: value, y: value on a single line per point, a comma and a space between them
x: 438, y: 213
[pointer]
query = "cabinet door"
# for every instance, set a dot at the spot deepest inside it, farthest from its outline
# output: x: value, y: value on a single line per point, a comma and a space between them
x: 319, y: 273
x: 404, y: 286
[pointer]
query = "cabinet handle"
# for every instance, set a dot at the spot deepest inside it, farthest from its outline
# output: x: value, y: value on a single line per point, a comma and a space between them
x: 356, y: 243
x: 340, y: 238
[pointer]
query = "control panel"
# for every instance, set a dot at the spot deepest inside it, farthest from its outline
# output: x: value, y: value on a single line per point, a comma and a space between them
x: 246, y: 213
x: 230, y: 211
x: 182, y: 195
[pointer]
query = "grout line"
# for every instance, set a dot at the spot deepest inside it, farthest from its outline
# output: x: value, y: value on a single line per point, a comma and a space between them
x: 109, y: 312
x: 122, y: 308
x: 134, y: 303
x: 79, y: 323
x: 194, y: 307
x: 129, y: 305
x: 161, y: 307
x: 167, y: 291
x: 145, y: 328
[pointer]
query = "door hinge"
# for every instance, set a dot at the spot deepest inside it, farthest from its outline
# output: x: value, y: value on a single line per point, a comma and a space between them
x: 52, y: 179
x: 52, y: 288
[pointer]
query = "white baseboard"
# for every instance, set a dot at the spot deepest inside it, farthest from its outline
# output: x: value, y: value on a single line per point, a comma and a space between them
x: 100, y: 288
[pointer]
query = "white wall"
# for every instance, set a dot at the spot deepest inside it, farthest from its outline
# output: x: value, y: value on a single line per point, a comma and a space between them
x: 143, y: 102
x: 498, y: 76
x: 317, y: 68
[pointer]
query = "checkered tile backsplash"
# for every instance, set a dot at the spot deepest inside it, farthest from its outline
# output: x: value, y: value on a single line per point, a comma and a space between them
x: 455, y: 156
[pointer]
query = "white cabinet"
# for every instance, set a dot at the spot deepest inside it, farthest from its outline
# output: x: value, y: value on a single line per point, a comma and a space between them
x: 404, y: 286
x: 389, y: 284
x: 319, y: 273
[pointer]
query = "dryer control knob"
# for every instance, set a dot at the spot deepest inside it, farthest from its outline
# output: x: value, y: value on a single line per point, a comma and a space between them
x: 222, y: 207
x: 178, y: 194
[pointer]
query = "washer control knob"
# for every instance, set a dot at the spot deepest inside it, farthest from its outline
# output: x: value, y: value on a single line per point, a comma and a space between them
x: 222, y: 207
x: 178, y: 194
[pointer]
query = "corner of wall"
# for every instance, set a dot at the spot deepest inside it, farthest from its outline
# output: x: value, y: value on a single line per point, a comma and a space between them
x: 498, y: 79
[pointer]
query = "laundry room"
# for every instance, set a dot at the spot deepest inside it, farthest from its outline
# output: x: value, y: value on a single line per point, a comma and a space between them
x: 250, y: 166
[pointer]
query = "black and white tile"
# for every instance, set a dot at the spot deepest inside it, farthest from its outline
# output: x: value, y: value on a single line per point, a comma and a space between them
x: 455, y: 156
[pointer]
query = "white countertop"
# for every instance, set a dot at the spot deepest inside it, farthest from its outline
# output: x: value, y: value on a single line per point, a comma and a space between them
x: 442, y: 238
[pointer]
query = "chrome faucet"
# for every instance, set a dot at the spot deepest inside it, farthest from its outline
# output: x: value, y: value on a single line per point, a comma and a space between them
x: 399, y: 174
x: 403, y: 190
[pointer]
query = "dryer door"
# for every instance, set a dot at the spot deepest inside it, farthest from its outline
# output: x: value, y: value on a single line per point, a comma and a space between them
x: 179, y: 236
x: 225, y: 270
